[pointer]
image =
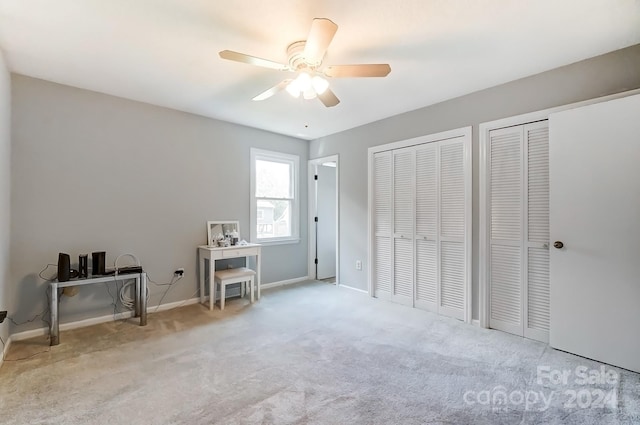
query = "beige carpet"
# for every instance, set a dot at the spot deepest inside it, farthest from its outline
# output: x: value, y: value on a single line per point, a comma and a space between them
x: 306, y: 354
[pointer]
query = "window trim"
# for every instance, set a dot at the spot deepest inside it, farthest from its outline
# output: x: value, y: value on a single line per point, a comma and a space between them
x: 265, y: 155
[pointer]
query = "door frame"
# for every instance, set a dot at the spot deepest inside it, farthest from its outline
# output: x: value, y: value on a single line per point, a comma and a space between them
x: 465, y: 132
x: 484, y: 130
x: 313, y: 199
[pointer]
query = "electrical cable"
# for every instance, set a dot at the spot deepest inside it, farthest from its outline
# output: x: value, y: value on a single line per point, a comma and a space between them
x: 166, y: 291
x: 42, y: 271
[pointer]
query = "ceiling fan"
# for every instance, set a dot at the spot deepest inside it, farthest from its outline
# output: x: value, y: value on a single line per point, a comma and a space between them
x: 305, y: 59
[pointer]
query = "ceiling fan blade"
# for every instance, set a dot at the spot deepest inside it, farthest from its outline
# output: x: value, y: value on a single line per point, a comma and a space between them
x: 252, y: 60
x: 273, y: 90
x: 362, y: 70
x: 328, y: 98
x: 320, y: 36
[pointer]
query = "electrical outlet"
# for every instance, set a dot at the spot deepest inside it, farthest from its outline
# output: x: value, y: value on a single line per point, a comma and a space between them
x: 3, y: 315
x: 179, y: 272
x: 358, y: 265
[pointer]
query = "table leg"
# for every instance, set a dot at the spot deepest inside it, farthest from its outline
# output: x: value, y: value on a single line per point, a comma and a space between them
x: 54, y: 329
x: 137, y: 297
x: 212, y: 282
x: 258, y: 278
x: 143, y: 299
x: 201, y: 275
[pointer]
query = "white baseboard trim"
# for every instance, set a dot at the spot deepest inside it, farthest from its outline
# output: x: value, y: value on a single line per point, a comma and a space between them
x: 475, y: 322
x: 285, y: 282
x: 169, y: 306
x: 353, y: 289
x: 102, y: 319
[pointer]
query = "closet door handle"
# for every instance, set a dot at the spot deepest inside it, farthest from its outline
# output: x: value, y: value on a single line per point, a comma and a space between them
x: 558, y: 245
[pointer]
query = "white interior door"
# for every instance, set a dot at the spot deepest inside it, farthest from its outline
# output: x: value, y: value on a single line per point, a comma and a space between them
x: 505, y: 229
x: 595, y: 213
x: 403, y: 225
x: 427, y: 291
x: 519, y: 230
x: 381, y: 216
x: 326, y: 225
x: 452, y: 222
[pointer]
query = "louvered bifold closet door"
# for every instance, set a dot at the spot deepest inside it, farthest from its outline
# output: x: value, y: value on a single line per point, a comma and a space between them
x: 382, y: 229
x: 427, y: 290
x: 536, y: 278
x: 403, y: 225
x: 453, y: 296
x: 506, y: 229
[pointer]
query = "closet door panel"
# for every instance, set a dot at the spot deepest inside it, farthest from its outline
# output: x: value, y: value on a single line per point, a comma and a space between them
x: 506, y: 230
x: 403, y: 225
x: 452, y: 193
x: 403, y: 192
x: 382, y: 240
x: 382, y: 267
x: 403, y: 271
x: 536, y: 278
x: 427, y: 286
x: 537, y: 315
x: 452, y: 280
x: 452, y: 228
x: 506, y: 289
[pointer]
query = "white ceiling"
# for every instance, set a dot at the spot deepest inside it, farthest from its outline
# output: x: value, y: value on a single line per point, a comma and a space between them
x: 166, y: 52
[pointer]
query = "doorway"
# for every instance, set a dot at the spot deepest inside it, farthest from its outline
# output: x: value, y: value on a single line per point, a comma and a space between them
x: 324, y: 219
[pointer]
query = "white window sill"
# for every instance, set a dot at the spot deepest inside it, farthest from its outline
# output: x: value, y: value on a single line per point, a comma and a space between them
x: 269, y: 242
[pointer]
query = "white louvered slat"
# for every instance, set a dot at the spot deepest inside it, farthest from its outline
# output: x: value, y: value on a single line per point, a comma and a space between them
x: 426, y: 274
x: 382, y: 199
x: 538, y: 289
x: 538, y: 184
x: 403, y: 194
x: 382, y: 266
x: 452, y: 278
x: 426, y: 191
x: 506, y: 288
x: 452, y: 190
x: 506, y: 183
x: 403, y: 270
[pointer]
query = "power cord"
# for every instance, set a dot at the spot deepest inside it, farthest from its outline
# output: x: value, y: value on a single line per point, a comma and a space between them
x: 43, y: 270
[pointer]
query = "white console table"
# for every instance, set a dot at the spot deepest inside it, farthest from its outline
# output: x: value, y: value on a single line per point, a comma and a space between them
x: 213, y: 253
x: 140, y: 298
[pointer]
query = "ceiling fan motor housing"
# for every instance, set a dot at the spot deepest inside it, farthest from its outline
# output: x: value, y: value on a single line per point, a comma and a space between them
x: 297, y: 61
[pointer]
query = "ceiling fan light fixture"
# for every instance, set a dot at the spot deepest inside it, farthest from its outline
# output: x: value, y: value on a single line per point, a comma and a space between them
x: 293, y: 88
x: 309, y: 93
x: 320, y: 85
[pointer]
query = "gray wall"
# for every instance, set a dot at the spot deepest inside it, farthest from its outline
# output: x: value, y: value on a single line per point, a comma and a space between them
x: 95, y: 172
x: 607, y: 74
x: 5, y: 189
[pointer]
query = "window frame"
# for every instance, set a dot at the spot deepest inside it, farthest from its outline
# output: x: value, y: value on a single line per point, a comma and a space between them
x: 294, y: 161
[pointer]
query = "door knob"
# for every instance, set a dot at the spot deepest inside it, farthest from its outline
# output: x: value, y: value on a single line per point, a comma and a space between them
x: 558, y: 244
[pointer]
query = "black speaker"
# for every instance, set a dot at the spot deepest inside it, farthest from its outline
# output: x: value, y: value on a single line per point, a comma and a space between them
x: 83, y: 265
x: 98, y: 260
x: 64, y: 267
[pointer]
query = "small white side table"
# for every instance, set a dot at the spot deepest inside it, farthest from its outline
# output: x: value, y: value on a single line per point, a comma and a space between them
x: 213, y: 253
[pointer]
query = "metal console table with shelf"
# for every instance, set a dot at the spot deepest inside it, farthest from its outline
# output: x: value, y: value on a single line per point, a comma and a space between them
x: 140, y: 298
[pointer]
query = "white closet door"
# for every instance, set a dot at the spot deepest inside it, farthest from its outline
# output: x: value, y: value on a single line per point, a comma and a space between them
x: 451, y: 170
x: 382, y: 209
x: 427, y: 291
x: 403, y: 225
x: 506, y: 229
x: 536, y: 258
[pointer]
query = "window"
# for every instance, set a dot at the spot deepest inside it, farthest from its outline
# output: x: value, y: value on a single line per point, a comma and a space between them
x: 274, y: 197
